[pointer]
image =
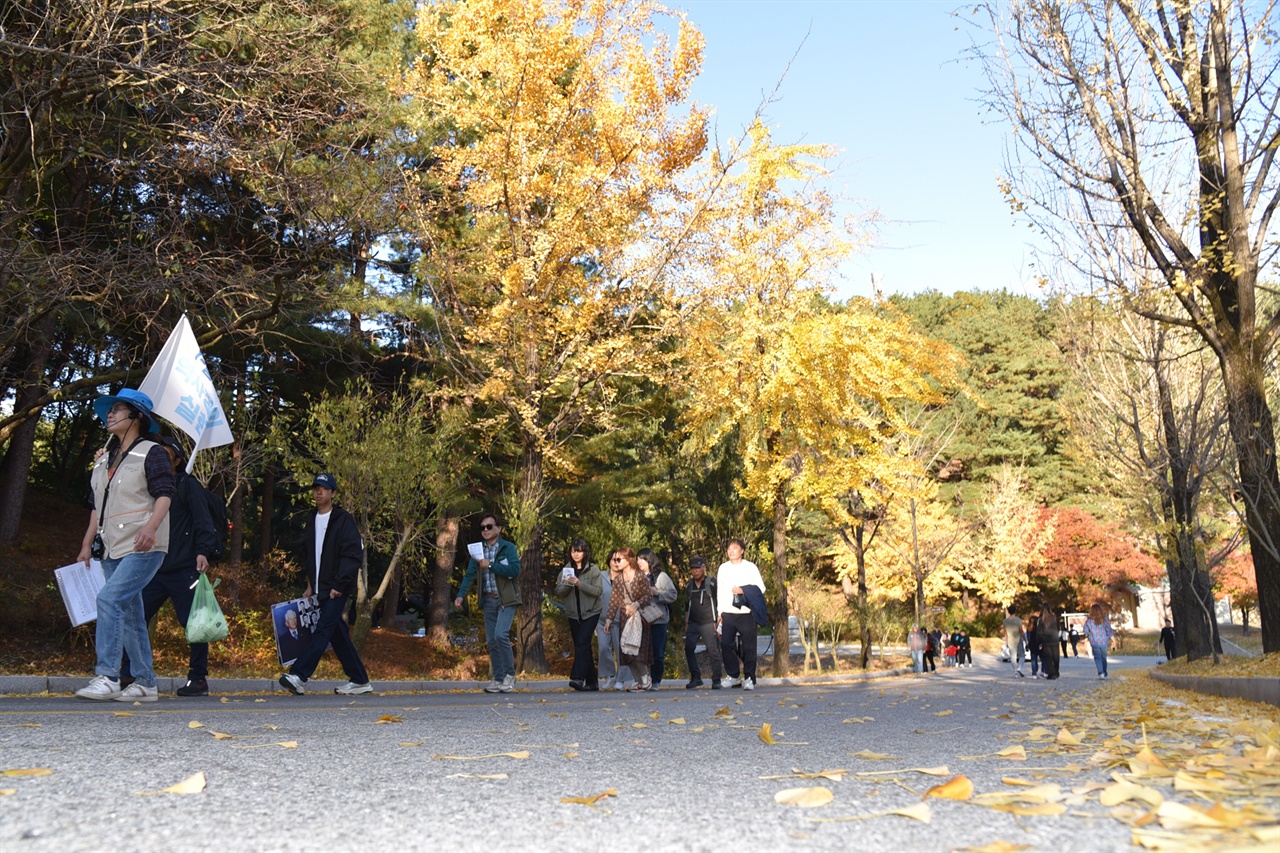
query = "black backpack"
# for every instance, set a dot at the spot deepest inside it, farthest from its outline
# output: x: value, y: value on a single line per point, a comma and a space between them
x: 221, y: 529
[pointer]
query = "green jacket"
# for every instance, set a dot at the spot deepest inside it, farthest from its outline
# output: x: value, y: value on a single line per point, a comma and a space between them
x: 505, y: 568
x: 584, y: 600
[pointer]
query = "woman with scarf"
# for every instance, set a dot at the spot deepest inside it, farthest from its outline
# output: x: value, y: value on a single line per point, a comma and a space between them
x: 631, y: 592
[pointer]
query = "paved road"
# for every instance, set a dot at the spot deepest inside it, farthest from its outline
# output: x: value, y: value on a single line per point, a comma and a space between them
x: 354, y: 784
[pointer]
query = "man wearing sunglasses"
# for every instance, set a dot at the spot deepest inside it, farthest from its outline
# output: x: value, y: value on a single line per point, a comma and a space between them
x: 499, y: 592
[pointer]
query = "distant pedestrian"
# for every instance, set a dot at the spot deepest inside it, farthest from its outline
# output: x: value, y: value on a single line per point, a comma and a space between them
x: 664, y: 592
x: 332, y: 552
x: 1034, y: 650
x: 132, y: 486
x: 1063, y: 637
x: 1097, y: 630
x: 608, y: 636
x: 700, y: 624
x: 1047, y: 625
x: 580, y: 589
x: 737, y: 622
x: 631, y: 592
x: 931, y: 650
x: 1168, y: 640
x: 499, y: 593
x: 917, y: 642
x: 1073, y: 637
x: 1013, y: 635
x: 964, y: 657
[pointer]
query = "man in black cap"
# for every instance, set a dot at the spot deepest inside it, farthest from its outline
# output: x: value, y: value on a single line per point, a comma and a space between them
x: 191, y: 539
x: 331, y: 555
x: 700, y: 624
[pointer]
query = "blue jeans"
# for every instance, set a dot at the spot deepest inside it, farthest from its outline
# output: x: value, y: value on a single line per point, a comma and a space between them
x: 1100, y: 659
x: 331, y: 629
x: 173, y: 586
x: 122, y: 625
x: 917, y: 660
x: 497, y: 630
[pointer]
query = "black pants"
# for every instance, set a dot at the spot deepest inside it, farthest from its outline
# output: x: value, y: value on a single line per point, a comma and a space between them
x: 331, y: 628
x: 964, y: 655
x: 732, y: 627
x: 1064, y: 647
x: 1049, y: 661
x: 658, y: 636
x: 174, y: 586
x: 584, y: 665
x: 929, y: 665
x: 706, y: 632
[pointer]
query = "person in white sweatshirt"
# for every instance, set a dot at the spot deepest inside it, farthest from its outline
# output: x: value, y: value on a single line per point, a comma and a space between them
x: 736, y: 620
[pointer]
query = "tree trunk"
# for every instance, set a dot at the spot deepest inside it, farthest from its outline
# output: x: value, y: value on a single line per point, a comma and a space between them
x: 531, y: 652
x: 446, y: 553
x: 1253, y: 433
x: 16, y: 467
x: 781, y: 611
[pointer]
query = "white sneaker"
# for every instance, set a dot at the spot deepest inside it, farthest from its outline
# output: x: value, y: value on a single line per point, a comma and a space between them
x: 137, y: 693
x: 353, y: 689
x: 101, y: 689
x: 646, y: 683
x: 732, y: 681
x: 292, y: 683
x: 618, y: 685
x: 608, y: 684
x: 508, y: 684
x: 748, y: 684
x: 494, y: 686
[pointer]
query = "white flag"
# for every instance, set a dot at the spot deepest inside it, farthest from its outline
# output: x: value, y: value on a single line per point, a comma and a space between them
x: 182, y: 391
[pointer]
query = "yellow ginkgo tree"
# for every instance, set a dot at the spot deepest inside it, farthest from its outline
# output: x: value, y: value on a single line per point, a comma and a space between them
x: 563, y: 133
x: 811, y: 393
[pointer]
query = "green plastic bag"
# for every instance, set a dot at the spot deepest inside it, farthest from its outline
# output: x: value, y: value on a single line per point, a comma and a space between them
x: 206, y: 624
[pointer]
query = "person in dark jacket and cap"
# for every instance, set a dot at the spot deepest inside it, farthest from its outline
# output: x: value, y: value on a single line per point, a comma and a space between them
x: 332, y: 552
x: 191, y: 540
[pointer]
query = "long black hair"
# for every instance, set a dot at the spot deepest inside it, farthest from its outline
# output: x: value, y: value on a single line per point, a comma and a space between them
x: 654, y: 561
x: 586, y: 553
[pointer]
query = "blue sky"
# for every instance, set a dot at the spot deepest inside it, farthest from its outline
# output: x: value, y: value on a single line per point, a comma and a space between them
x: 884, y: 82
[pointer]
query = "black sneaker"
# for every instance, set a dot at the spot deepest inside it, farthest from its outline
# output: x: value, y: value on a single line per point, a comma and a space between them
x: 193, y: 688
x: 693, y: 682
x: 716, y: 685
x: 578, y: 685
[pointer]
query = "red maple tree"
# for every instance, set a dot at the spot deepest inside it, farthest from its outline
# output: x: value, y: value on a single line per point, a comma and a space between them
x: 1090, y: 560
x: 1235, y: 577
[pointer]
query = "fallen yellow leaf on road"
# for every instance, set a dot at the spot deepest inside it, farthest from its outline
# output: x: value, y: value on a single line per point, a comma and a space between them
x: 1178, y: 816
x: 655, y: 715
x: 520, y: 756
x: 873, y: 756
x: 122, y: 714
x: 221, y: 735
x: 191, y: 785
x: 591, y: 800
x: 796, y: 773
x: 859, y: 720
x: 996, y: 847
x: 270, y: 726
x: 28, y: 771
x: 194, y: 725
x: 8, y: 792
x: 946, y: 713
x: 678, y: 721
x: 805, y: 798
x: 766, y: 734
x: 411, y: 743
x: 955, y: 788
x: 1017, y: 752
x: 387, y: 718
x: 1066, y: 738
x: 284, y: 744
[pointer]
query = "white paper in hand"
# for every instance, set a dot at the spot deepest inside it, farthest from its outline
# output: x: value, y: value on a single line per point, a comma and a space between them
x: 79, y: 587
x: 476, y: 550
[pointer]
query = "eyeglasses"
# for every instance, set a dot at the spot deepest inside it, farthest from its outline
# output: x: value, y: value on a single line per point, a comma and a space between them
x: 120, y: 407
x: 488, y: 526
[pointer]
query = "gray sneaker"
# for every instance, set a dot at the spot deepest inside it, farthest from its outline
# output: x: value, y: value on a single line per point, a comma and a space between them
x: 732, y: 681
x: 101, y: 689
x: 494, y: 686
x: 748, y: 684
x: 353, y: 689
x: 137, y: 693
x: 508, y: 684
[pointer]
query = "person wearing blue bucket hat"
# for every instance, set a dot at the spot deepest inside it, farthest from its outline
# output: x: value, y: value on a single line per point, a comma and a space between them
x: 132, y: 485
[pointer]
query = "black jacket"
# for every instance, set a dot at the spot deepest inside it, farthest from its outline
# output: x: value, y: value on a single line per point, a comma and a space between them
x: 190, y: 525
x: 340, y: 557
x: 697, y: 603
